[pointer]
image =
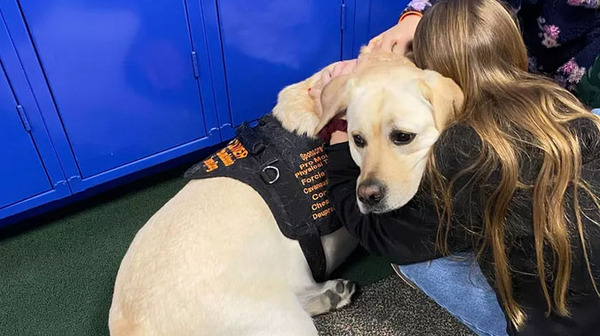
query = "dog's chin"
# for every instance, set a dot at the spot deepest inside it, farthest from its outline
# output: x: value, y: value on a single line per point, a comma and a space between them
x: 366, y: 209
x: 382, y: 207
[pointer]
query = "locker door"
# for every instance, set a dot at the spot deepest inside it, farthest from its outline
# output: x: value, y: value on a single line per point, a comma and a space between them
x: 268, y: 44
x: 369, y: 18
x: 22, y: 173
x: 123, y: 80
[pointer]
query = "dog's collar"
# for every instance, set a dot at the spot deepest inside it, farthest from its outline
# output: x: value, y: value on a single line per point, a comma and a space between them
x: 336, y: 124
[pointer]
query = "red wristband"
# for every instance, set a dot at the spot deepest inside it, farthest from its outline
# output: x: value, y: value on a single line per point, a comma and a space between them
x: 409, y: 13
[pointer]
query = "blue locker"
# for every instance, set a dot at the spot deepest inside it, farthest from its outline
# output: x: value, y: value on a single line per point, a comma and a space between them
x: 19, y: 155
x: 370, y: 18
x: 112, y: 87
x: 30, y: 172
x: 268, y: 44
x: 123, y: 77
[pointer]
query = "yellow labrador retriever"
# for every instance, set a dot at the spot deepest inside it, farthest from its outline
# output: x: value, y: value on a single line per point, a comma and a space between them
x: 395, y: 113
x: 212, y: 261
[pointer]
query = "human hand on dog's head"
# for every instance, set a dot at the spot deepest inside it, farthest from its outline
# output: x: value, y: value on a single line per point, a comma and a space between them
x: 340, y: 68
x: 325, y: 92
x: 397, y: 39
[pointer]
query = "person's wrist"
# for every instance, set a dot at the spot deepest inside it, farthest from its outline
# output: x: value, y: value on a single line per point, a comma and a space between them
x: 338, y: 137
x: 410, y: 15
x: 411, y: 22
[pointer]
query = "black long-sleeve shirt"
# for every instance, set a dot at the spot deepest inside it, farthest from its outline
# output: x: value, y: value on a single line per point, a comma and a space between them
x: 408, y: 234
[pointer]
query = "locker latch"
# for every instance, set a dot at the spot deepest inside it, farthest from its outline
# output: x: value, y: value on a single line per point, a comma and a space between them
x: 195, y: 64
x: 23, y: 117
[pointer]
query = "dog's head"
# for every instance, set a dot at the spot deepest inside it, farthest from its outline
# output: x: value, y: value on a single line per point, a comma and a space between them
x: 395, y: 114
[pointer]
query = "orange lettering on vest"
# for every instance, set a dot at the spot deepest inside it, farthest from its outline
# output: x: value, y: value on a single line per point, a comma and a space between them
x: 210, y: 165
x: 225, y: 157
x: 238, y: 150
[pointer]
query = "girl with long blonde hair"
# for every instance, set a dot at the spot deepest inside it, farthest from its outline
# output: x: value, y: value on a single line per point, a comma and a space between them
x: 515, y: 178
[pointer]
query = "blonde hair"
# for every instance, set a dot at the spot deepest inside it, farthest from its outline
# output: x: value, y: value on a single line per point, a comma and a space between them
x: 478, y: 44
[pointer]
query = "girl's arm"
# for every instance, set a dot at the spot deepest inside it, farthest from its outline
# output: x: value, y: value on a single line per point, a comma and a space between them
x: 398, y: 38
x: 404, y: 236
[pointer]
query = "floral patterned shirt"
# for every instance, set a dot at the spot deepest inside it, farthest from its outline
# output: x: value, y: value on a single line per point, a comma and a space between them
x: 562, y: 36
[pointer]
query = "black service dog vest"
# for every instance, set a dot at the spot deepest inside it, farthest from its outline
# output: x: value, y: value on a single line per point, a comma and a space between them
x: 288, y: 171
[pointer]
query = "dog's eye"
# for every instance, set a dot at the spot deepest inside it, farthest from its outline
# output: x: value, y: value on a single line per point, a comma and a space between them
x: 359, y: 141
x: 402, y: 138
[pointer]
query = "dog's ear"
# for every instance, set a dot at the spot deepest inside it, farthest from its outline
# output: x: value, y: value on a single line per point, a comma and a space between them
x: 334, y: 99
x: 444, y: 95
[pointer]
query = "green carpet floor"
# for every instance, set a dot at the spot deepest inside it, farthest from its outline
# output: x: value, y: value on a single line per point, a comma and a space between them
x: 57, y: 270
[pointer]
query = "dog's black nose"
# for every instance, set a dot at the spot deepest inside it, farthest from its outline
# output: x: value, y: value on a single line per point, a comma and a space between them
x: 370, y: 192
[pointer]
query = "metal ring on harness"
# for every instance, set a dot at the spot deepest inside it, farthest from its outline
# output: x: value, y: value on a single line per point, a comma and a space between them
x: 265, y: 175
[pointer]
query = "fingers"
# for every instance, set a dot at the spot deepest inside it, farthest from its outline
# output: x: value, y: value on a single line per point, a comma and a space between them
x: 375, y: 42
x: 327, y: 76
x: 315, y: 92
x: 399, y: 48
x: 339, y: 69
x: 397, y: 38
x: 344, y: 68
x: 387, y: 43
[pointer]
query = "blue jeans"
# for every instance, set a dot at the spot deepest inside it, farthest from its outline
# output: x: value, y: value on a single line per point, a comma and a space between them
x: 459, y: 286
